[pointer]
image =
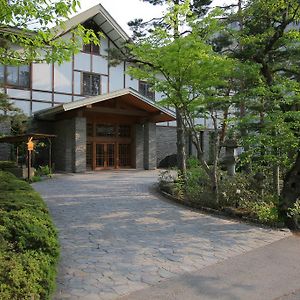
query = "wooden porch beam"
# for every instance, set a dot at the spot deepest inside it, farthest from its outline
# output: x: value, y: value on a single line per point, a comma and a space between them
x: 117, y: 111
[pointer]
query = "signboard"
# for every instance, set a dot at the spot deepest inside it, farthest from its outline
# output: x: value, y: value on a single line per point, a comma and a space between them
x: 30, y: 145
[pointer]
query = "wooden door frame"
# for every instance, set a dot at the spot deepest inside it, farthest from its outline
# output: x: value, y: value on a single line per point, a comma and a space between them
x: 105, y: 167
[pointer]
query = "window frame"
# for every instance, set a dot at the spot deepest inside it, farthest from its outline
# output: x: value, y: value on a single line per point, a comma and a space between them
x: 91, y: 49
x: 18, y: 85
x: 149, y: 94
x: 90, y: 74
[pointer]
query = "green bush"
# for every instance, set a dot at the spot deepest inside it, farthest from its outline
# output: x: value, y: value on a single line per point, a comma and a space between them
x: 241, y: 192
x: 6, y: 164
x: 198, y: 189
x: 44, y: 171
x: 266, y: 213
x: 237, y: 189
x: 29, y: 247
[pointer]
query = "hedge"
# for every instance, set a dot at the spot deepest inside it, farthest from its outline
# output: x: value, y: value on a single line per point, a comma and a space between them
x: 5, y: 164
x: 29, y: 247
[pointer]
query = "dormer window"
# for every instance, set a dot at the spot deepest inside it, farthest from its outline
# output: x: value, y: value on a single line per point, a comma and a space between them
x: 91, y: 48
x: 146, y: 90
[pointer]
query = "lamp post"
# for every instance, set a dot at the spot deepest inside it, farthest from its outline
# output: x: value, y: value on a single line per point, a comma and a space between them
x: 30, y: 147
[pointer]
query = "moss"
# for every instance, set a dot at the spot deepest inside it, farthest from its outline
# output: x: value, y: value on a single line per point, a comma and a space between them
x: 29, y: 248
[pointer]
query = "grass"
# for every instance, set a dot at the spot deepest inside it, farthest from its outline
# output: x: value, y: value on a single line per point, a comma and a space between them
x: 29, y: 248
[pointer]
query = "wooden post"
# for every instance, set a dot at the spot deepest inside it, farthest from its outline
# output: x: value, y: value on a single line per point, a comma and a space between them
x: 17, y: 155
x: 30, y: 146
x: 28, y: 164
x: 50, y: 154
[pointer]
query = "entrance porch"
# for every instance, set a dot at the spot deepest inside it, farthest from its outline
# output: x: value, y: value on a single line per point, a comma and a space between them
x: 112, y: 131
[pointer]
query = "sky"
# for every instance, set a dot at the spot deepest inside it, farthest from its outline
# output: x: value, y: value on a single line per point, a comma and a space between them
x: 125, y: 10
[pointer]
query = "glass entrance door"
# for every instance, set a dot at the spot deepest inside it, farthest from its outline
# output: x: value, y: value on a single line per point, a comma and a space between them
x: 105, y: 155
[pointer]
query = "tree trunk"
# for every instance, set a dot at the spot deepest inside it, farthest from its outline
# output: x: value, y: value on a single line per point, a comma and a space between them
x: 181, y: 154
x: 276, y: 179
x: 290, y: 194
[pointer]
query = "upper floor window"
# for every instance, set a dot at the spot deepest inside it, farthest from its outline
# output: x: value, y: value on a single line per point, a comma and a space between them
x: 91, y: 84
x: 15, y: 76
x: 91, y: 48
x: 146, y: 90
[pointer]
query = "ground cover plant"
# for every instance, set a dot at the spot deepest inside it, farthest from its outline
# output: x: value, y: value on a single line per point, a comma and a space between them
x: 240, y: 195
x: 29, y: 248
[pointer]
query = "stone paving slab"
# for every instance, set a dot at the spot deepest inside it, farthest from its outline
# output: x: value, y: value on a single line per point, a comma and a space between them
x: 117, y: 237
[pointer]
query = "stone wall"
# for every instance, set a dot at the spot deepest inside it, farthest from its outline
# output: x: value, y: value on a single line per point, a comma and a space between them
x: 150, y: 145
x: 166, y: 142
x: 79, y: 145
x: 69, y: 147
x: 139, y: 146
x: 63, y: 145
x: 5, y: 129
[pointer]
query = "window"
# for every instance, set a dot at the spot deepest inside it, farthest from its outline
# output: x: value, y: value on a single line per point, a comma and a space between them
x: 145, y: 90
x: 89, y: 155
x: 89, y: 130
x: 105, y: 130
x: 124, y: 131
x: 91, y: 48
x: 15, y: 76
x: 91, y: 84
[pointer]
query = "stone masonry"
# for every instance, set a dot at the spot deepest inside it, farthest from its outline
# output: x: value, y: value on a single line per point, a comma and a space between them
x: 4, y: 148
x: 70, y: 145
x: 80, y: 145
x: 150, y: 160
x: 166, y: 142
x: 139, y: 146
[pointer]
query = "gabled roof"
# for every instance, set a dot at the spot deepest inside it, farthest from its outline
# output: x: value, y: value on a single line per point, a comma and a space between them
x: 101, y: 17
x: 135, y: 96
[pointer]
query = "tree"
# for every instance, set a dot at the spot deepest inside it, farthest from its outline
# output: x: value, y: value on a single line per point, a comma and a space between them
x: 266, y: 37
x: 169, y: 27
x: 188, y: 72
x: 26, y: 36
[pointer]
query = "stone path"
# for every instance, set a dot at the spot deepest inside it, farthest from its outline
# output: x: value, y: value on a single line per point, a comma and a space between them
x: 117, y: 237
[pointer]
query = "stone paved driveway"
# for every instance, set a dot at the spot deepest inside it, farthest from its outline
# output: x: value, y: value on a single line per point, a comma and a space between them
x: 118, y: 237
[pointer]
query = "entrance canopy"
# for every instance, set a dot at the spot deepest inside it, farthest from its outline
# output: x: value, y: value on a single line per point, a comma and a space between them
x: 123, y: 102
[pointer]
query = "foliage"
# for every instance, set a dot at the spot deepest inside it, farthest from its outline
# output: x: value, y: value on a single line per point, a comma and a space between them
x: 35, y: 178
x: 237, y: 189
x: 29, y: 247
x: 264, y: 37
x: 198, y: 185
x: 7, y: 164
x: 44, y: 171
x: 185, y: 69
x: 294, y: 212
x: 266, y: 213
x: 27, y: 24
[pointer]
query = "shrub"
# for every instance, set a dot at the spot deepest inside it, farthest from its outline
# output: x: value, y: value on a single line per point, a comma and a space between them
x: 44, y: 171
x: 236, y: 189
x: 294, y: 212
x: 29, y: 247
x: 198, y: 188
x: 266, y: 213
x: 6, y: 164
